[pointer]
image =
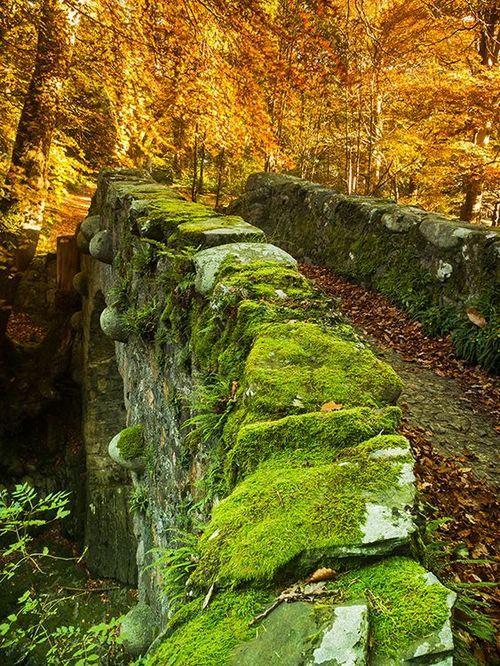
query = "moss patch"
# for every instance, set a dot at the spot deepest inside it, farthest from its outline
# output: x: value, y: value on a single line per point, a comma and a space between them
x: 209, y: 637
x: 295, y: 368
x: 131, y: 442
x: 404, y: 607
x: 293, y: 503
x: 317, y: 433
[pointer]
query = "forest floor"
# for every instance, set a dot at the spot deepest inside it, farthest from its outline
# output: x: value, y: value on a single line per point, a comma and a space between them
x: 451, y: 418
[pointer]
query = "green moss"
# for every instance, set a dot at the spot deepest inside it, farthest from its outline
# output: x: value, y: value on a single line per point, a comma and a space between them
x: 131, y: 442
x: 404, y: 607
x: 317, y: 433
x: 297, y: 367
x: 209, y: 637
x: 294, y: 503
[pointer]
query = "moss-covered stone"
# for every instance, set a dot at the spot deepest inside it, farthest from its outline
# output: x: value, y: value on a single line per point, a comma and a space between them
x: 295, y: 368
x: 131, y: 442
x: 410, y: 610
x: 316, y: 434
x: 209, y: 262
x: 209, y: 637
x: 127, y: 448
x: 311, y: 503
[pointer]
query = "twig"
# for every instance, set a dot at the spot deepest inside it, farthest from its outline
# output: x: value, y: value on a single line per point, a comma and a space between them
x: 95, y: 589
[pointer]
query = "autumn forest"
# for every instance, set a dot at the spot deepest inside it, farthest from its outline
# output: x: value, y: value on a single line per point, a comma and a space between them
x: 394, y: 98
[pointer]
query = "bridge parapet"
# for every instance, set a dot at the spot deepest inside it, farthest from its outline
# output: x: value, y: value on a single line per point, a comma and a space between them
x: 254, y: 448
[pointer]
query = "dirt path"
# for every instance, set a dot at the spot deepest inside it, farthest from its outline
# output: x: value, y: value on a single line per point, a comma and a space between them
x: 72, y: 211
x: 456, y: 405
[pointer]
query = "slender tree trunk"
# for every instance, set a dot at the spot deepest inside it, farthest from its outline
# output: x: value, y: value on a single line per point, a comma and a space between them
x: 201, y: 183
x: 194, y: 182
x: 23, y: 202
x: 471, y: 207
x: 220, y: 170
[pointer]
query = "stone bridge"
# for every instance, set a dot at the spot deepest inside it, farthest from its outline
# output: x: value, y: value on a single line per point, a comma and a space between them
x: 244, y: 465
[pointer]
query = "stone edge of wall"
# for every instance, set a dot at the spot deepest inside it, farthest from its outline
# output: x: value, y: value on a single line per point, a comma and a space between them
x: 249, y: 320
x: 436, y: 268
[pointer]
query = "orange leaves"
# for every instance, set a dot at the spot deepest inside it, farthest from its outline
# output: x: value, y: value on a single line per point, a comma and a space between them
x: 331, y: 406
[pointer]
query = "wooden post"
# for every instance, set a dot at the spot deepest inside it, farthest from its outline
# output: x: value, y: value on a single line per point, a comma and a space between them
x: 68, y: 262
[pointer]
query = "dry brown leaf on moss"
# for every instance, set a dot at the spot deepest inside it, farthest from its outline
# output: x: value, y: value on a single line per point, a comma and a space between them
x: 324, y: 573
x: 331, y: 406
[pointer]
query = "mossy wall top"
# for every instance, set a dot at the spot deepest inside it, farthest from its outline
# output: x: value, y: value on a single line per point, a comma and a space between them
x: 267, y: 427
x: 435, y: 267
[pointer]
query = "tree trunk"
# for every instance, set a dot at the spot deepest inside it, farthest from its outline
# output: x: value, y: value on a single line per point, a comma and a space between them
x: 220, y: 169
x: 25, y: 191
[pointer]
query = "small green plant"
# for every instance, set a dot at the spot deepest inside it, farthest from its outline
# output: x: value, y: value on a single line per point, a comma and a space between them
x: 213, y: 403
x: 176, y: 566
x: 139, y: 500
x: 29, y: 628
x: 144, y: 320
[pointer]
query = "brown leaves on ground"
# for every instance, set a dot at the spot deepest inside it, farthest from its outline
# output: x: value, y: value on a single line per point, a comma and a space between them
x: 23, y: 330
x: 378, y: 318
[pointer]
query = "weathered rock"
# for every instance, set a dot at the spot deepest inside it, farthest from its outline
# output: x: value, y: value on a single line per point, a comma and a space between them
x: 81, y: 283
x: 285, y: 638
x: 345, y: 641
x: 219, y: 230
x: 208, y: 262
x: 114, y: 325
x: 82, y: 243
x: 138, y: 629
x: 126, y: 449
x: 90, y: 226
x: 101, y: 247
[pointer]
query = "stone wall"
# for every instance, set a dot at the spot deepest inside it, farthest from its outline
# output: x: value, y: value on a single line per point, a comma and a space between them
x: 438, y: 269
x: 260, y: 457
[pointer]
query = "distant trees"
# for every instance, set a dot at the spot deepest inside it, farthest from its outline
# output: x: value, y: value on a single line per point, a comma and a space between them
x: 393, y: 98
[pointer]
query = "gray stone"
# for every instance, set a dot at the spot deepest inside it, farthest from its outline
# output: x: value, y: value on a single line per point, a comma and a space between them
x: 134, y: 465
x: 82, y: 243
x: 90, y: 226
x: 345, y: 641
x: 208, y: 262
x: 283, y: 638
x: 101, y: 247
x: 81, y: 284
x: 138, y: 629
x: 439, y: 232
x: 444, y: 271
x: 114, y: 325
x: 402, y: 219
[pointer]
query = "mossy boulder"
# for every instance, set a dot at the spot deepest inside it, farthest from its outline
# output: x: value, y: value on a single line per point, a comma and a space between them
x: 81, y: 284
x: 209, y: 262
x: 114, y: 324
x: 297, y: 367
x: 410, y: 611
x: 101, y: 247
x: 303, y: 509
x: 90, y: 226
x: 127, y: 448
x: 209, y: 637
x: 138, y: 629
x: 215, y: 231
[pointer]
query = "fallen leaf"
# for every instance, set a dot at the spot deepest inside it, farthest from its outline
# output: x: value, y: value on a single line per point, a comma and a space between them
x: 321, y: 574
x: 476, y: 317
x: 330, y: 406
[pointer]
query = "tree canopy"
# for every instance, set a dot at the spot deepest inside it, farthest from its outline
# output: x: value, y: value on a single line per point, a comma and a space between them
x: 395, y: 98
